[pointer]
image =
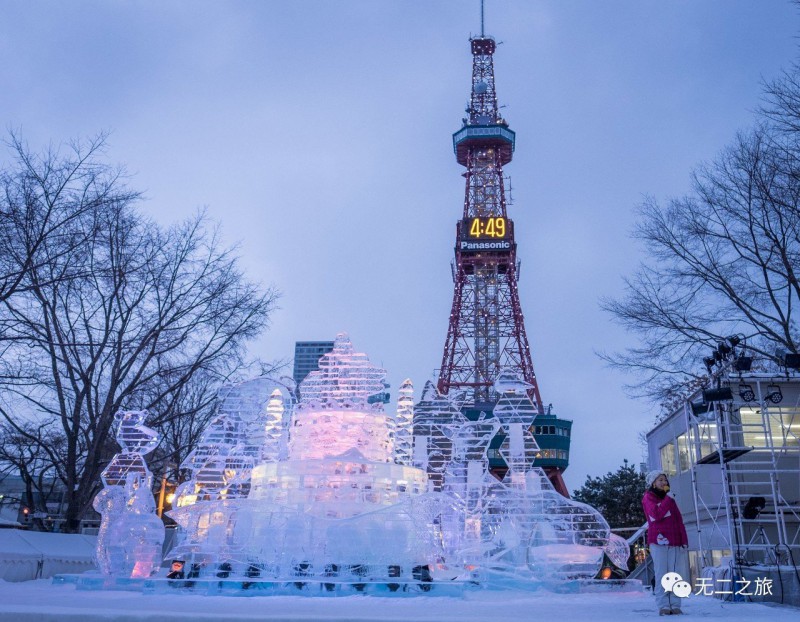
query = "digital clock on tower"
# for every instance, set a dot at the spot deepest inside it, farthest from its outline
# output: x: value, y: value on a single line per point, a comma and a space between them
x: 485, y: 228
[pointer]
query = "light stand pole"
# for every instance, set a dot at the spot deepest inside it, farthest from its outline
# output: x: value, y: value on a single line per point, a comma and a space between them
x: 162, y: 494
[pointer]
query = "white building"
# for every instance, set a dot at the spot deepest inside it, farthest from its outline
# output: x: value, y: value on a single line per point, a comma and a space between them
x: 733, y: 458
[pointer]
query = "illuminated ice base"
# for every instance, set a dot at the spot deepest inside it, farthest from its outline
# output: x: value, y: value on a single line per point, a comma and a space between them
x: 331, y: 588
x: 264, y: 587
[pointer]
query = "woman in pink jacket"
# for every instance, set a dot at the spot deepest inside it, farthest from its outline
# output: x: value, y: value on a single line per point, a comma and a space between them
x: 666, y: 536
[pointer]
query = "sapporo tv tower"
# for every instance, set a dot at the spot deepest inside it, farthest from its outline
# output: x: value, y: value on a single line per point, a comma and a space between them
x: 486, y: 333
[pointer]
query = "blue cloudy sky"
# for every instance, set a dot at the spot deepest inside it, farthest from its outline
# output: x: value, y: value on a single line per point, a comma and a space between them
x: 318, y: 134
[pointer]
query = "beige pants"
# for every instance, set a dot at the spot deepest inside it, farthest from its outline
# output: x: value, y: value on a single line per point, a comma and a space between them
x: 668, y: 559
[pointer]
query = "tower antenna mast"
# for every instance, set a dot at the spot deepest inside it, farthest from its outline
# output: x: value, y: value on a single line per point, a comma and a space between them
x: 482, y: 18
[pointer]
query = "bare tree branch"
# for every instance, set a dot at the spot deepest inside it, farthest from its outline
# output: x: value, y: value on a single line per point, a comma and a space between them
x: 721, y: 260
x: 134, y: 315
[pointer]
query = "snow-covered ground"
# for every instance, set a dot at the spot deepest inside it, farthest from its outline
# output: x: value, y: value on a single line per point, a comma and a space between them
x: 41, y: 601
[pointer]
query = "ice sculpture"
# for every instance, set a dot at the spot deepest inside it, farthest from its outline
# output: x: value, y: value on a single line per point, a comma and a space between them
x: 404, y: 428
x: 334, y: 491
x: 618, y: 551
x: 338, y: 508
x: 519, y: 528
x: 131, y: 535
x: 251, y: 427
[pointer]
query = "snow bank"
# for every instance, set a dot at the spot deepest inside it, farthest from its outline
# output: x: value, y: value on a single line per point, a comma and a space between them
x: 44, y: 602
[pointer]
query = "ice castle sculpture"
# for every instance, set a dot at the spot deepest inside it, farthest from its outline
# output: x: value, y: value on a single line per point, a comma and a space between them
x: 332, y: 492
x: 131, y: 535
x: 335, y: 505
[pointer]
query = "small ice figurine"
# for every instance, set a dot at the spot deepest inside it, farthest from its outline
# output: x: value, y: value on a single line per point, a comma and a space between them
x: 131, y: 535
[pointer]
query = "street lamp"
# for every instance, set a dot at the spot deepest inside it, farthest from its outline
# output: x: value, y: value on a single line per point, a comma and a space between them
x: 165, y: 498
x: 22, y: 508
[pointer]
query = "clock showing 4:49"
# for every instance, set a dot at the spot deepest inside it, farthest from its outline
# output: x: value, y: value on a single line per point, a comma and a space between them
x: 482, y: 228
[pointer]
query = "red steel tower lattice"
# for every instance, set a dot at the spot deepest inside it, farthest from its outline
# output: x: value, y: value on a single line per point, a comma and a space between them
x: 487, y: 330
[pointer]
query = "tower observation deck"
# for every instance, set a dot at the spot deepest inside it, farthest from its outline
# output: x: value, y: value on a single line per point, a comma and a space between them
x: 486, y: 332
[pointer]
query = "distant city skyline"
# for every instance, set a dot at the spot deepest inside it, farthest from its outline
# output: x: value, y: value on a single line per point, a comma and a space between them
x: 318, y: 135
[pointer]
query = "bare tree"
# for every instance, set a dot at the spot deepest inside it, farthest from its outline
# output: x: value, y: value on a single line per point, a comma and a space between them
x: 183, y: 414
x: 20, y: 456
x: 42, y: 198
x: 722, y: 260
x: 126, y: 319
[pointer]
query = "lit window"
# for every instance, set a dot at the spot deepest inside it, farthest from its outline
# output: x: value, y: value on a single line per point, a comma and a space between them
x: 684, y: 462
x: 707, y: 433
x: 781, y: 424
x: 668, y: 459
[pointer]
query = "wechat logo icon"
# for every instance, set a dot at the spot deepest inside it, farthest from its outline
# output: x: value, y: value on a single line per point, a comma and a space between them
x: 673, y: 582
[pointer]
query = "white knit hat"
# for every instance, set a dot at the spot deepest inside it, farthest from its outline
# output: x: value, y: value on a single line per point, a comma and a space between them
x: 652, y: 476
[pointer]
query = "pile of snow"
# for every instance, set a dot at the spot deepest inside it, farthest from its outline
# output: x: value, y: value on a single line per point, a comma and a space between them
x: 44, y: 602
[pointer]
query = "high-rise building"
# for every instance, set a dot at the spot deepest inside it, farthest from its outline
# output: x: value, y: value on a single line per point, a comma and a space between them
x: 306, y: 357
x: 306, y: 360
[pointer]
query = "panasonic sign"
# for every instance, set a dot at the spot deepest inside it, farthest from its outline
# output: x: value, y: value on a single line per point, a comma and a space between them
x: 501, y: 245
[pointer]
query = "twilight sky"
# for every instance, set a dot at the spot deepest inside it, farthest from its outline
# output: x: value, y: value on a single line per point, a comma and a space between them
x: 318, y: 133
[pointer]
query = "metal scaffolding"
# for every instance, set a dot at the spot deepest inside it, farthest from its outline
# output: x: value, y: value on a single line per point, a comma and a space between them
x: 743, y: 455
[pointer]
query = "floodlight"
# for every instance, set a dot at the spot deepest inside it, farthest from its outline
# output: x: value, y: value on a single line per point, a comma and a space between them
x: 791, y: 361
x: 722, y: 394
x: 746, y: 393
x: 753, y: 507
x: 774, y: 394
